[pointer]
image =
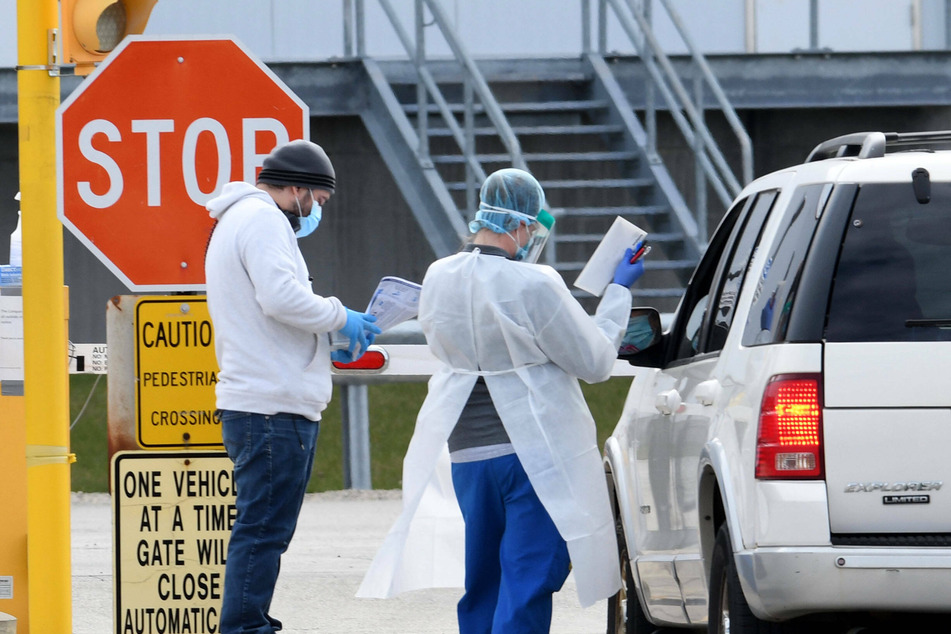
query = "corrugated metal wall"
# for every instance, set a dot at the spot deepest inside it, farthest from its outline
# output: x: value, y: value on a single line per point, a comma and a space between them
x: 309, y: 30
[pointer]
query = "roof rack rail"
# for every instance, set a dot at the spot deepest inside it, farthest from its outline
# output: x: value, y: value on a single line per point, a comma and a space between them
x: 873, y: 144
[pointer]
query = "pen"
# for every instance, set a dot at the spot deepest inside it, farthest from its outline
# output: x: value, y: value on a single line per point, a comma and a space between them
x: 643, y: 251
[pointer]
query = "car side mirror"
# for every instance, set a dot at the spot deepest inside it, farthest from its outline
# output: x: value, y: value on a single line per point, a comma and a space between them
x: 644, y: 331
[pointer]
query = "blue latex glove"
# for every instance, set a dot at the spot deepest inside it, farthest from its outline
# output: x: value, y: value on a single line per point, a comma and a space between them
x: 626, y: 274
x: 361, y: 332
x: 341, y: 356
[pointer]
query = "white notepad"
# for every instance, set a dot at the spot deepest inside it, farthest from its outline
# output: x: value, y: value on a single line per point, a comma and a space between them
x: 599, y: 271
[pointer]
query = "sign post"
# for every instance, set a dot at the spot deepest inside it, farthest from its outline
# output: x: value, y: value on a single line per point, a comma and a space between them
x: 45, y: 333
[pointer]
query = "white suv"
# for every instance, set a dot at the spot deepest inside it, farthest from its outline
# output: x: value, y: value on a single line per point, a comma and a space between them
x: 785, y: 445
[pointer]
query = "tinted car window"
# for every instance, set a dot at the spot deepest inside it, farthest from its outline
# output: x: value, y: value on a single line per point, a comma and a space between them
x: 891, y: 282
x: 779, y: 280
x: 735, y: 272
x: 686, y: 330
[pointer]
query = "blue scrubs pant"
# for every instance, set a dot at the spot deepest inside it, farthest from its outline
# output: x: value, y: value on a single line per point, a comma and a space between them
x: 515, y: 557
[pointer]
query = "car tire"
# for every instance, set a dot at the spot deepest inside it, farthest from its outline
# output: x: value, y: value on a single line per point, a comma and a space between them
x: 625, y: 615
x: 729, y: 613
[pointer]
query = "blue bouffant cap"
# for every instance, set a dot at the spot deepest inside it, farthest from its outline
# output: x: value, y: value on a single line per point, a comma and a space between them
x: 504, y: 191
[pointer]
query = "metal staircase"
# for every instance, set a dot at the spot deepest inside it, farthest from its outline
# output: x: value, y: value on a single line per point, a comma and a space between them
x: 590, y: 166
x: 575, y: 131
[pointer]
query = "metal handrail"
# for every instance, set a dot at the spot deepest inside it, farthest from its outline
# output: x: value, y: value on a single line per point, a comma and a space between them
x: 429, y: 83
x: 489, y: 103
x: 710, y: 159
x: 746, y: 145
x: 475, y: 85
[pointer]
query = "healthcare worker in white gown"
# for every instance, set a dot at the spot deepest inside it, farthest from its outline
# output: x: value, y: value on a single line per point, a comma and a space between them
x: 506, y: 415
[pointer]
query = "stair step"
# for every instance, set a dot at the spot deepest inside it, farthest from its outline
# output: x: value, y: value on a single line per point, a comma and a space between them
x: 604, y: 183
x: 650, y: 265
x: 568, y: 129
x: 524, y: 130
x: 448, y: 159
x: 572, y: 212
x: 640, y: 293
x: 658, y: 292
x: 584, y: 105
x: 596, y: 237
x: 645, y: 210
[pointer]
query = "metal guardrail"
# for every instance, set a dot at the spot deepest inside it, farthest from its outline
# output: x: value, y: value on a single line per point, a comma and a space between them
x: 635, y: 18
x: 474, y: 86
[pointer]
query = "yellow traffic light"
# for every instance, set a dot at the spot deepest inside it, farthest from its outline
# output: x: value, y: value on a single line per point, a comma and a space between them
x: 91, y: 29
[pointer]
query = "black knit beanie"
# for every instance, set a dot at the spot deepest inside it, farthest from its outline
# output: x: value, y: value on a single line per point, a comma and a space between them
x: 301, y: 164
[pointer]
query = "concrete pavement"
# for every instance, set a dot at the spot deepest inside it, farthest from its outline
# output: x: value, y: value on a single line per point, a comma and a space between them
x: 337, y: 536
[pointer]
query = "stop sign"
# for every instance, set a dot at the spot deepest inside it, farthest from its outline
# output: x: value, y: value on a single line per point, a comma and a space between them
x: 152, y: 135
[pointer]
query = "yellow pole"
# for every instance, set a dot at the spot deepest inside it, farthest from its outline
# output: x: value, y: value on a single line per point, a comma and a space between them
x: 46, y: 387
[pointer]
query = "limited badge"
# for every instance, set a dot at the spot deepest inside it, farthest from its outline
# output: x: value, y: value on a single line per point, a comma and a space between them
x: 906, y: 499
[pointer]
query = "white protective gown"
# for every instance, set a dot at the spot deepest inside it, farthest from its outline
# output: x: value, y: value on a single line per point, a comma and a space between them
x: 518, y: 326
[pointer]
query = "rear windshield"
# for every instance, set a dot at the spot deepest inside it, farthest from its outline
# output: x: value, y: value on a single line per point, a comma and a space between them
x: 893, y: 279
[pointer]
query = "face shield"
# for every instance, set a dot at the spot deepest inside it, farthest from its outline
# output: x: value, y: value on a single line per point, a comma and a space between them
x: 541, y: 232
x: 540, y: 228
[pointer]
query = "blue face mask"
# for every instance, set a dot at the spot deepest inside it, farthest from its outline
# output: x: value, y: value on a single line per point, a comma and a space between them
x: 531, y: 250
x: 639, y: 336
x: 522, y: 252
x: 308, y: 223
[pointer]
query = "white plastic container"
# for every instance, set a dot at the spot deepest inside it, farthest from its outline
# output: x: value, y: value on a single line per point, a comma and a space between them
x: 16, y: 248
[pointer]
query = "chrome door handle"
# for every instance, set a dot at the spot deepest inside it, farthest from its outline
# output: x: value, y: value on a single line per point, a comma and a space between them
x: 668, y: 402
x: 707, y: 392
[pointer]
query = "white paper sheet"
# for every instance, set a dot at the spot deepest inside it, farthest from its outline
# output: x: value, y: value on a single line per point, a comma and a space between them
x: 394, y: 301
x: 599, y: 271
x: 11, y: 338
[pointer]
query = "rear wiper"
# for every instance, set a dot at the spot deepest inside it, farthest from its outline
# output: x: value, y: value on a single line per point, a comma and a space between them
x: 928, y: 323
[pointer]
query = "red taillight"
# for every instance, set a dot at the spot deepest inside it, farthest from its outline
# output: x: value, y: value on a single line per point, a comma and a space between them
x: 789, y: 442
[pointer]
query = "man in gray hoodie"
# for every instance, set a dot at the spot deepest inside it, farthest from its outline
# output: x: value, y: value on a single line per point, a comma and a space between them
x: 272, y: 341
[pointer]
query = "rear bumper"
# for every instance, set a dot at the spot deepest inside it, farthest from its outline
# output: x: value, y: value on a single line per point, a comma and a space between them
x: 781, y: 583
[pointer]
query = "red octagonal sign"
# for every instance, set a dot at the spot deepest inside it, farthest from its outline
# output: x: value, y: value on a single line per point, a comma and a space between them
x: 152, y: 135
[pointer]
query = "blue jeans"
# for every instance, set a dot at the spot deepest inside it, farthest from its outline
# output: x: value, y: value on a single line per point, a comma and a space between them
x: 515, y: 557
x: 273, y: 457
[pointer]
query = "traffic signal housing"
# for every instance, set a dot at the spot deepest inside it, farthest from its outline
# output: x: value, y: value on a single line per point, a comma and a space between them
x: 91, y: 29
